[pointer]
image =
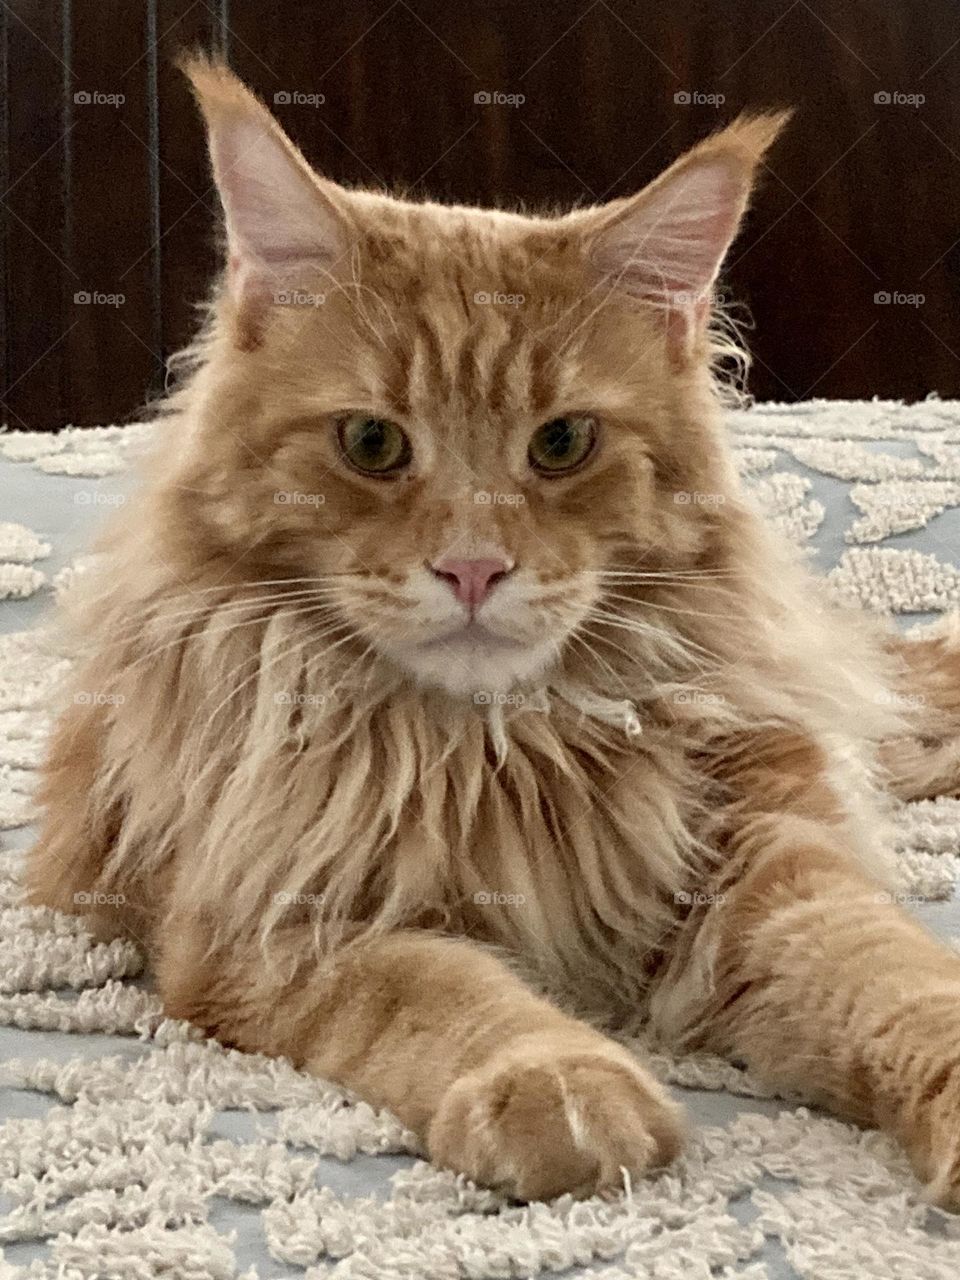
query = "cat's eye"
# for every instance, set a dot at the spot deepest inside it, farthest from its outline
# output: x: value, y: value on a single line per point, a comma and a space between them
x: 562, y: 444
x: 375, y: 446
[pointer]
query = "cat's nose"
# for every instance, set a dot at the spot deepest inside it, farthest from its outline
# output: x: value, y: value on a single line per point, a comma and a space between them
x: 471, y: 581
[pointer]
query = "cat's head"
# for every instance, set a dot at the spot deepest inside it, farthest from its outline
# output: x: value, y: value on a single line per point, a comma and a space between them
x: 459, y: 418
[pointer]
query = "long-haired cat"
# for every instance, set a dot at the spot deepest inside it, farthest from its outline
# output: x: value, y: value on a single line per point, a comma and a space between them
x: 441, y: 661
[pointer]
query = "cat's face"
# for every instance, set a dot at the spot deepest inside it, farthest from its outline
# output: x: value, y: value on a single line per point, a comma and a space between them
x: 469, y: 465
x: 461, y: 419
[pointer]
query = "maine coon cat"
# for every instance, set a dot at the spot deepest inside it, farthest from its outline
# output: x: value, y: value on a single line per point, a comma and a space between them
x: 441, y: 646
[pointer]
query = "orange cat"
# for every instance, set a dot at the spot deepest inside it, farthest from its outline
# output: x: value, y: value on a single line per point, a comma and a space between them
x: 442, y: 644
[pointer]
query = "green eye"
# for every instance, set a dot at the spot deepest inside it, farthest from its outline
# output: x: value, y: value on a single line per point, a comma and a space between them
x: 374, y: 445
x: 562, y: 444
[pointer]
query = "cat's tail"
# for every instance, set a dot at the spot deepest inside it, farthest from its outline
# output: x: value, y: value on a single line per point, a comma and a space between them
x: 926, y: 761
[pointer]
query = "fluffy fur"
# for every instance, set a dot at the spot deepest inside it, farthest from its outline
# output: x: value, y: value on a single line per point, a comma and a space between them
x: 650, y: 772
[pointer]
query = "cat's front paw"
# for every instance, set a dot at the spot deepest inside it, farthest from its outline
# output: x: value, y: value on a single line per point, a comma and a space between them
x: 926, y: 1119
x: 538, y: 1124
x: 931, y: 1133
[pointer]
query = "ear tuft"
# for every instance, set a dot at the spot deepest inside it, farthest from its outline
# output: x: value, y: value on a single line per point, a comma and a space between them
x: 750, y: 135
x: 665, y: 246
x: 283, y: 222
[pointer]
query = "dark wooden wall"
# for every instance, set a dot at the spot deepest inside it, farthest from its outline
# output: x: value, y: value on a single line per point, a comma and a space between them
x: 106, y: 197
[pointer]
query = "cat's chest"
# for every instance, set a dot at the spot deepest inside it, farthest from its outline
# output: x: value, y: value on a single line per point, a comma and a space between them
x: 579, y: 870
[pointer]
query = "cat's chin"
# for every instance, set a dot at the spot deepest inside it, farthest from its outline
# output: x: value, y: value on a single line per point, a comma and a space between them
x: 483, y: 669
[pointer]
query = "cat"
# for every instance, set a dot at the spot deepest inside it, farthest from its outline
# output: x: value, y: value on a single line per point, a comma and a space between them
x: 454, y: 708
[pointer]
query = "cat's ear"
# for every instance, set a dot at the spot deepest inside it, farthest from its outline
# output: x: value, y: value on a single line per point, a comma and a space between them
x: 283, y: 221
x: 665, y: 245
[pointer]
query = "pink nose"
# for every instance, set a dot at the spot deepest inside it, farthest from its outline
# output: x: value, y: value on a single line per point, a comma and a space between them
x: 471, y: 580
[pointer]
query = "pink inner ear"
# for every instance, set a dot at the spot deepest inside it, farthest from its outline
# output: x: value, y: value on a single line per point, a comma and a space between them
x: 284, y: 228
x: 668, y: 248
x: 276, y: 214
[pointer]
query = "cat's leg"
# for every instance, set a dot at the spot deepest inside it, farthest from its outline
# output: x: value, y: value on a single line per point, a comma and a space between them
x: 496, y: 1082
x: 809, y: 972
x: 64, y: 867
x: 69, y: 866
x: 925, y: 760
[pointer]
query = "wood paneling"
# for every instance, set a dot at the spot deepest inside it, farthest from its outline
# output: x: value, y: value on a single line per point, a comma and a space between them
x: 188, y: 205
x: 111, y: 182
x: 36, y: 322
x: 861, y: 198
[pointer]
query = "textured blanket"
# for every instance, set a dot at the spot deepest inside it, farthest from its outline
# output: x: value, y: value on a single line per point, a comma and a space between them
x: 130, y: 1147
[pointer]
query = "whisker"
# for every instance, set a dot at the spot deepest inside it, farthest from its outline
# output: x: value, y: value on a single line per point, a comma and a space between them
x: 267, y: 582
x: 657, y: 575
x: 186, y: 636
x: 634, y: 657
x: 637, y: 627
x: 642, y: 627
x: 190, y: 593
x: 214, y: 611
x: 645, y: 656
x: 258, y: 658
x: 579, y: 638
x: 656, y: 604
